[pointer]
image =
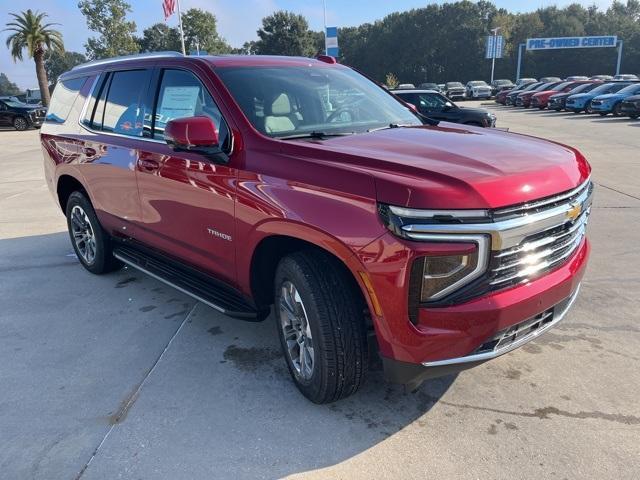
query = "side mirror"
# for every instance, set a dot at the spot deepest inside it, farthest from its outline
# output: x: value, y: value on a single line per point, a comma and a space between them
x: 196, y: 135
x: 412, y: 106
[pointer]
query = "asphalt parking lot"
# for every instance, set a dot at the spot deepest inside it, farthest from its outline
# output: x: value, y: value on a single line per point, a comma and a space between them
x: 120, y: 376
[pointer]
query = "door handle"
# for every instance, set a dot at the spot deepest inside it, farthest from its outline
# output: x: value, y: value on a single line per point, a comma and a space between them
x: 148, y: 165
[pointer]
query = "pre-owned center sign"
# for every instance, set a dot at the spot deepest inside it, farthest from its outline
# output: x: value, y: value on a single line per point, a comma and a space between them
x: 571, y: 42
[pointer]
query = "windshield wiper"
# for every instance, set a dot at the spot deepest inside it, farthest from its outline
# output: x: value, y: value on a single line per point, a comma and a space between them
x: 391, y: 125
x: 315, y: 134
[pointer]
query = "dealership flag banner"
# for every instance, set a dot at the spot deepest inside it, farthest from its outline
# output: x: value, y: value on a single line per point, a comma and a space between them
x: 495, y: 46
x: 331, y: 41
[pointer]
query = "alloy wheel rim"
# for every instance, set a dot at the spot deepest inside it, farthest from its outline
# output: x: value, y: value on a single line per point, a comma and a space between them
x: 297, y: 331
x: 21, y: 123
x: 83, y: 234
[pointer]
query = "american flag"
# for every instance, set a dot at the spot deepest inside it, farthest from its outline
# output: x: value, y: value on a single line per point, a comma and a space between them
x: 169, y: 6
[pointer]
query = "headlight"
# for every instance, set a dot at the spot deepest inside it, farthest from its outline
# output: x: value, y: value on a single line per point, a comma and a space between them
x: 434, y: 277
x: 442, y: 275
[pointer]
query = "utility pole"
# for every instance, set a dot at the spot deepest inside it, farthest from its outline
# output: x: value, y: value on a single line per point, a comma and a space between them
x: 494, y: 50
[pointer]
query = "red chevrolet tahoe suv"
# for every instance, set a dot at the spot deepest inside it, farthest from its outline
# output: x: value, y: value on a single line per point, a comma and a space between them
x: 297, y: 185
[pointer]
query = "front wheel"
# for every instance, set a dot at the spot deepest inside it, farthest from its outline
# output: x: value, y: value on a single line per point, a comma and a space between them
x: 321, y: 325
x: 90, y: 242
x: 634, y: 117
x: 20, y: 124
x: 617, y: 110
x: 588, y: 108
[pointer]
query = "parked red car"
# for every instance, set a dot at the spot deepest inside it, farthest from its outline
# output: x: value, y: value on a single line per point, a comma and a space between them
x: 298, y: 186
x: 524, y: 99
x: 541, y: 99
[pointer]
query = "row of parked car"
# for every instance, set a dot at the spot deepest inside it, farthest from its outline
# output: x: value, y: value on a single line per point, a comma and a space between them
x: 618, y: 95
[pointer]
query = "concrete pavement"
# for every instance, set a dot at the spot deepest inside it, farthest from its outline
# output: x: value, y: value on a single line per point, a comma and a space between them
x: 120, y: 376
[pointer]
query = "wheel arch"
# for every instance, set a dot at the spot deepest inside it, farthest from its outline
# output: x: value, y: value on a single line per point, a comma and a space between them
x: 285, y: 238
x: 65, y: 186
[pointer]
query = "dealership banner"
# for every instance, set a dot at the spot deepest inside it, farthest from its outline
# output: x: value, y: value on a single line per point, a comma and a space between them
x: 495, y: 46
x: 571, y: 42
x: 331, y: 41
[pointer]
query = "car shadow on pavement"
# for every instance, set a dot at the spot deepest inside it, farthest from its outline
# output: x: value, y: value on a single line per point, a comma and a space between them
x: 160, y: 383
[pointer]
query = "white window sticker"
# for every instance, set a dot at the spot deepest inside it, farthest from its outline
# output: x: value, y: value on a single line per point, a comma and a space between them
x: 178, y: 102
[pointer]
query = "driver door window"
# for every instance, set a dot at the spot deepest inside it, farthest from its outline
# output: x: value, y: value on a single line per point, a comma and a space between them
x: 181, y: 95
x: 431, y: 103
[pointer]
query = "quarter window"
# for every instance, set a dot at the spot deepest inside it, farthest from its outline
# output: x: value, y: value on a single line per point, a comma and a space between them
x: 63, y: 97
x: 181, y: 95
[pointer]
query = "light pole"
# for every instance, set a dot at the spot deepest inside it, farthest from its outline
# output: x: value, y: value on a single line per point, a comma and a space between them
x: 494, y: 50
x: 324, y: 8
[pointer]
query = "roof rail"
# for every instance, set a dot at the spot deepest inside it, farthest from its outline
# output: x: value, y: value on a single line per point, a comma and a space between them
x: 137, y: 56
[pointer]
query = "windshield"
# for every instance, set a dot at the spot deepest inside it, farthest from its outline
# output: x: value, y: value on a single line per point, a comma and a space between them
x: 15, y: 104
x: 503, y: 82
x: 559, y: 87
x: 531, y: 87
x: 585, y: 87
x: 633, y: 88
x: 284, y: 101
x: 478, y: 84
x: 454, y: 85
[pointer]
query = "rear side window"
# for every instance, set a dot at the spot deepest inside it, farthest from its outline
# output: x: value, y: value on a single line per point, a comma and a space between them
x: 118, y: 106
x: 64, y: 95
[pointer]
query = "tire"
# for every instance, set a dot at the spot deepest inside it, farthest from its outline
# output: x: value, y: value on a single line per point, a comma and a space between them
x: 603, y: 114
x: 616, y: 110
x: 634, y: 117
x: 474, y: 124
x: 20, y: 124
x: 588, y: 109
x: 90, y: 242
x: 317, y: 305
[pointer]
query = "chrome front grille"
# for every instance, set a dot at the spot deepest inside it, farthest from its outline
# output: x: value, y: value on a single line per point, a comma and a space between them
x: 537, y: 253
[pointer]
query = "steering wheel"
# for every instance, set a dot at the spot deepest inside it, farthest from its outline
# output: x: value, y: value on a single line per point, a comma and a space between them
x: 338, y: 112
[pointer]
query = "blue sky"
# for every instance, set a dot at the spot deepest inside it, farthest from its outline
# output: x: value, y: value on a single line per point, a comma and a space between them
x: 238, y: 20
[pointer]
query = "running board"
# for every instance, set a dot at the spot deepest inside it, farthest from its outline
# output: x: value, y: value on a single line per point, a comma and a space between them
x: 191, y: 282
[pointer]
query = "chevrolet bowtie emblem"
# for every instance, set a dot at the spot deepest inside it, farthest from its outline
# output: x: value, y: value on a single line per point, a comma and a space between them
x: 574, y: 211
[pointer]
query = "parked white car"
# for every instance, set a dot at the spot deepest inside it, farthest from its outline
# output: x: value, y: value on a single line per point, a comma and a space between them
x: 477, y: 89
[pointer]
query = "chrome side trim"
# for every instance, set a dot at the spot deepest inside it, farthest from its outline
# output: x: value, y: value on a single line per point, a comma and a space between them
x: 480, y: 357
x: 419, y: 213
x: 164, y: 280
x: 483, y: 258
x: 507, y: 233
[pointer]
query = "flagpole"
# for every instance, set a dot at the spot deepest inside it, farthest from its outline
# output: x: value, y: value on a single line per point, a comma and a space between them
x: 324, y: 5
x: 184, y: 52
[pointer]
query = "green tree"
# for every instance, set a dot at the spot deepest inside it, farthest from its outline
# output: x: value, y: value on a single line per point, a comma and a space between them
x: 108, y: 18
x: 200, y: 31
x: 56, y: 63
x: 160, y: 37
x: 31, y: 34
x: 7, y: 87
x: 285, y: 33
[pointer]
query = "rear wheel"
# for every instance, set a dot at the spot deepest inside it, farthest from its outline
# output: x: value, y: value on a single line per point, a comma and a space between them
x: 635, y: 117
x: 90, y: 242
x: 321, y: 325
x: 20, y: 124
x: 603, y: 114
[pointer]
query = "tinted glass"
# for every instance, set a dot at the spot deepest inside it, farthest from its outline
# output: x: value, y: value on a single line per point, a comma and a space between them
x: 454, y: 85
x: 62, y: 100
x: 431, y: 102
x: 181, y: 94
x: 560, y: 86
x: 585, y: 87
x: 478, y: 84
x: 282, y: 101
x: 631, y: 89
x: 123, y: 112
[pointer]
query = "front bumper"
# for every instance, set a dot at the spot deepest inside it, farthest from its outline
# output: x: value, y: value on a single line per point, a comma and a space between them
x: 501, y: 343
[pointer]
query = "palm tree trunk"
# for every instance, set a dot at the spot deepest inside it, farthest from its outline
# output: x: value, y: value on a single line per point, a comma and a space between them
x: 41, y: 73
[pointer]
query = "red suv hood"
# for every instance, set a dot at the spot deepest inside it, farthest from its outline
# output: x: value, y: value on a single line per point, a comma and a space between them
x: 454, y: 167
x: 545, y: 94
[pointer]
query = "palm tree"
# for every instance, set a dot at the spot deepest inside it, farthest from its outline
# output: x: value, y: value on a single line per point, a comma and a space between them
x: 31, y: 34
